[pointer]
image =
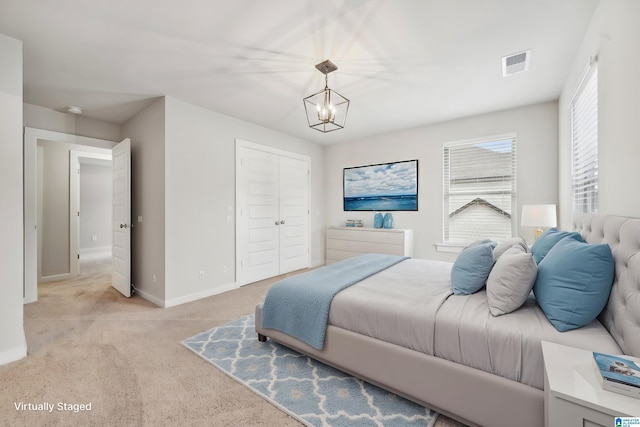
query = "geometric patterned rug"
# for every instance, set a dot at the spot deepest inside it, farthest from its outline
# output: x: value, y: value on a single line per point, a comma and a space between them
x: 308, y: 390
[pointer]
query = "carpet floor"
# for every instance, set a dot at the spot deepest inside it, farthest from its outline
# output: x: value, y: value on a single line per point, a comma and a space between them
x: 89, y: 345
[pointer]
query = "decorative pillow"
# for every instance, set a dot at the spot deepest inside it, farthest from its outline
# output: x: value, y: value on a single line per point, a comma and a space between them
x: 548, y: 239
x: 510, y: 280
x: 574, y: 281
x: 502, y: 247
x: 471, y: 268
x: 479, y: 242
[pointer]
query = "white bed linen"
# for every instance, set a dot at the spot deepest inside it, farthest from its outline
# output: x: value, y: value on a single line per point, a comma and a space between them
x: 411, y: 305
x: 397, y: 305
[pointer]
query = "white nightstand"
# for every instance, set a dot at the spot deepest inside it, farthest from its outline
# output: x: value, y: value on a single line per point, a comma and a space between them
x: 572, y: 394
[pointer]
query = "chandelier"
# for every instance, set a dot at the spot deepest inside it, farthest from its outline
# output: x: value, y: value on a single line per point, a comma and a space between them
x: 326, y: 110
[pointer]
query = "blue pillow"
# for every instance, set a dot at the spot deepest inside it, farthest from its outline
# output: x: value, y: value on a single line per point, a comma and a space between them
x: 573, y: 283
x: 472, y: 267
x: 548, y: 239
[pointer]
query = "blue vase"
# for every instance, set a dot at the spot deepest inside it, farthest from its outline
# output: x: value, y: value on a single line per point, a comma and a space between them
x: 377, y: 220
x: 387, y: 222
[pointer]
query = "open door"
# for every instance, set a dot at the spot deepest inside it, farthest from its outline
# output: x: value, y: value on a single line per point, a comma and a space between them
x: 121, y: 219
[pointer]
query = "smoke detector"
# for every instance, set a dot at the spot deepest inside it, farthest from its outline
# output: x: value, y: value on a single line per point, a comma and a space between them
x: 74, y: 110
x: 516, y: 63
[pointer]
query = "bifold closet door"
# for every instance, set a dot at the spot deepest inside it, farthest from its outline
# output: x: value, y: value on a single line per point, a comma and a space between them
x: 272, y: 215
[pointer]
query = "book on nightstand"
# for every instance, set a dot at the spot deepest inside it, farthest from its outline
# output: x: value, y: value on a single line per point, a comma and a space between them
x: 620, y: 374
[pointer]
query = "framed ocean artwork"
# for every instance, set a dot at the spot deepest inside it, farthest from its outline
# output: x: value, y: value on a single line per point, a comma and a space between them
x: 382, y: 187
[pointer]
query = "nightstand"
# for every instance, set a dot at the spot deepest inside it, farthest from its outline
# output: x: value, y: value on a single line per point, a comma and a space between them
x: 573, y: 395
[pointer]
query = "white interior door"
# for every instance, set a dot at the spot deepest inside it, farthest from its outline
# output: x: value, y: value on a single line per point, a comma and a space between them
x: 257, y: 216
x: 272, y: 212
x: 294, y: 214
x: 121, y: 160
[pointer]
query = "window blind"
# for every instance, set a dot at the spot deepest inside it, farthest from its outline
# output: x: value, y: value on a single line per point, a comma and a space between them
x: 479, y: 194
x: 584, y: 138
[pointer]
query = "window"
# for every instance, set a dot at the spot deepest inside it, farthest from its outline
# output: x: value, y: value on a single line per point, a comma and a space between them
x: 479, y: 194
x: 584, y: 141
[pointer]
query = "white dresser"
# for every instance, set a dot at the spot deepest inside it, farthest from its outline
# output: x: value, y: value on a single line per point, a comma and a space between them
x: 347, y: 242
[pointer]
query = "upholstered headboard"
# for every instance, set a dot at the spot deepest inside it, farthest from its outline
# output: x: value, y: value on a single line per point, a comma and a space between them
x: 621, y: 315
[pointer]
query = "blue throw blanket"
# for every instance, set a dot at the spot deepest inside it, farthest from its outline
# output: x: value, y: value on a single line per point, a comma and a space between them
x: 299, y: 305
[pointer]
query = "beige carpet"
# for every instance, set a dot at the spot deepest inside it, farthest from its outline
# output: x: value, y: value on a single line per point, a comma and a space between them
x: 88, y: 344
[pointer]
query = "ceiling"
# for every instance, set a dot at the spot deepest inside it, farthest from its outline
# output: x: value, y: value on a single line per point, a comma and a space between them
x: 402, y: 63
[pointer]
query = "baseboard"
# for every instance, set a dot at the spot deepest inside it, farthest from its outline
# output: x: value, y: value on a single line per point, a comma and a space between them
x: 199, y: 295
x: 54, y: 278
x: 151, y: 298
x: 15, y: 353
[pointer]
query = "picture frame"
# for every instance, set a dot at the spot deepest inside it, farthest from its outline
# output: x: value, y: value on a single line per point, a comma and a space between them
x: 385, y: 187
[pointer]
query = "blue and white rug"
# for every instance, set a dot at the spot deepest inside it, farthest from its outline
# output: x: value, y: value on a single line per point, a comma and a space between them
x: 310, y: 391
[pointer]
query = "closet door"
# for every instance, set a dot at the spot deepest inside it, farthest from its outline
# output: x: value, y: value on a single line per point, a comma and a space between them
x: 294, y: 214
x: 272, y: 213
x: 257, y: 221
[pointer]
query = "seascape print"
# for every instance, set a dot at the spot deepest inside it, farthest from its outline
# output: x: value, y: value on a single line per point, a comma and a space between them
x: 384, y: 187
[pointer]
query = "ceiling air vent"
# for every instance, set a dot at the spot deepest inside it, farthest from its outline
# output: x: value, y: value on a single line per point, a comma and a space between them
x: 515, y: 63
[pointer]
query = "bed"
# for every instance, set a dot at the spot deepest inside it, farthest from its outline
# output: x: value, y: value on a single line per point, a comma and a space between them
x: 403, y: 330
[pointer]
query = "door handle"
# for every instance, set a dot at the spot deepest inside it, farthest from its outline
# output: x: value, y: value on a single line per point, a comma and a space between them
x: 277, y: 223
x: 123, y: 225
x: 282, y: 222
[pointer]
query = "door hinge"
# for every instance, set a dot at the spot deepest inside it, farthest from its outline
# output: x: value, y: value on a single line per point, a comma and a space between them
x: 78, y: 256
x: 78, y: 213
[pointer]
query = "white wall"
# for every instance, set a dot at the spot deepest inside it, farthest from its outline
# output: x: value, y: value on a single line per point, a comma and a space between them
x: 147, y: 133
x: 96, y: 184
x: 12, y: 339
x: 614, y: 36
x: 537, y: 144
x: 48, y: 119
x: 200, y: 194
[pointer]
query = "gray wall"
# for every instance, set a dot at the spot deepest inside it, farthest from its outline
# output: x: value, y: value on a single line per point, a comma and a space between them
x: 96, y: 184
x: 613, y: 36
x: 146, y: 131
x: 12, y: 340
x: 48, y: 119
x: 537, y: 144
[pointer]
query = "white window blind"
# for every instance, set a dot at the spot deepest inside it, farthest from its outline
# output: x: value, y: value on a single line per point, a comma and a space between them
x: 584, y: 136
x: 479, y: 194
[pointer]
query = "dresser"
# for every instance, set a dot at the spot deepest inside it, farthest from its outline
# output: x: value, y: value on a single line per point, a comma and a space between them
x: 347, y: 242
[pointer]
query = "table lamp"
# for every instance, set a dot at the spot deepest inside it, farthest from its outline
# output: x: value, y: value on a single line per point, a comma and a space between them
x: 538, y: 216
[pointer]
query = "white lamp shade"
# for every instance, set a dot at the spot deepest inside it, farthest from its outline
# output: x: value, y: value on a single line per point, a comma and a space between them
x: 538, y: 216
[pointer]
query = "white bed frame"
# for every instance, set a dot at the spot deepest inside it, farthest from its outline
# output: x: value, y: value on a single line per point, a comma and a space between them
x: 469, y: 395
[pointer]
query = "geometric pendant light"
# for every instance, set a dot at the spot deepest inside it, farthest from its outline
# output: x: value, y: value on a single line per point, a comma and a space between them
x: 326, y: 110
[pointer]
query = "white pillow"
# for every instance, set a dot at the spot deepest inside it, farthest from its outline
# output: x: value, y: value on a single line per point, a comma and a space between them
x: 511, y: 280
x: 502, y: 247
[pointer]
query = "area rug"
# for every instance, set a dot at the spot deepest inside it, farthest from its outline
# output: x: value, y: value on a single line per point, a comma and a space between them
x: 312, y: 392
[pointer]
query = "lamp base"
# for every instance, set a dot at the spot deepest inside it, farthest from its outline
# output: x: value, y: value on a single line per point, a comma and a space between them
x: 538, y: 232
